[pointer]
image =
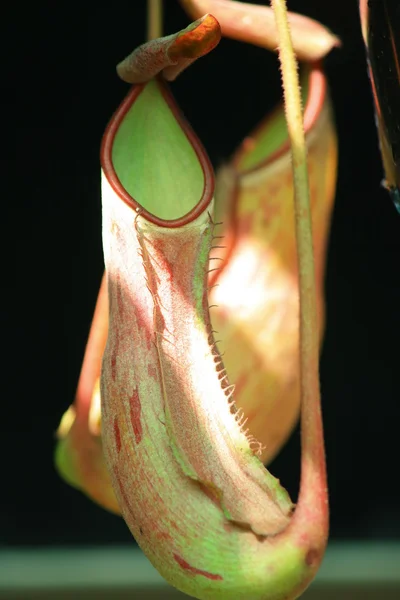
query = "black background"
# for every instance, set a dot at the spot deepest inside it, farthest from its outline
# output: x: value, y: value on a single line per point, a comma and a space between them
x: 58, y: 90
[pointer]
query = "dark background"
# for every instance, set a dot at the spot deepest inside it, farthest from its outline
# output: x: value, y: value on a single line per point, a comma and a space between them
x: 58, y: 89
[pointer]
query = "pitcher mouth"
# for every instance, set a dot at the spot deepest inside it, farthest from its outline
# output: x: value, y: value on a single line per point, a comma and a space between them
x: 314, y: 102
x: 108, y: 166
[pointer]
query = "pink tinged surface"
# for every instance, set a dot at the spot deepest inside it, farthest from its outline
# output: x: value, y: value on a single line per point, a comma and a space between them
x: 190, y: 441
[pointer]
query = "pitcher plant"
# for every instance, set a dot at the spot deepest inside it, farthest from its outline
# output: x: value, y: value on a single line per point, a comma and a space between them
x: 186, y: 416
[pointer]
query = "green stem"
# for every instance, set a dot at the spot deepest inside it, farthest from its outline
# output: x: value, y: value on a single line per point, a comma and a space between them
x: 313, y: 477
x: 154, y: 19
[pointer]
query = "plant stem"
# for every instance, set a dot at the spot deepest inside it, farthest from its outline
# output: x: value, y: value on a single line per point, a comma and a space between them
x: 313, y: 491
x: 154, y: 19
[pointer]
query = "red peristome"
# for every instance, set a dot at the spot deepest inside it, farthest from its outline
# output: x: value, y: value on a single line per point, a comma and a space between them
x: 185, y: 565
x: 117, y: 435
x: 136, y: 409
x: 112, y: 177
